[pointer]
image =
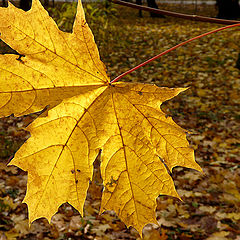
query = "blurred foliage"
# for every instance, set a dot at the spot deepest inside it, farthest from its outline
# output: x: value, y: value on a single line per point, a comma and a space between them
x: 64, y: 15
x: 97, y: 13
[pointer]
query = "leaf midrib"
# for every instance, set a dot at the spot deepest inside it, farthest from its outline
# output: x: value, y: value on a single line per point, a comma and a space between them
x: 59, y: 55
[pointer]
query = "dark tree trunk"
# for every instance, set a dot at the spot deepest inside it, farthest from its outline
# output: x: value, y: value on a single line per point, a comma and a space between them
x: 228, y: 9
x: 25, y: 4
x: 238, y: 62
x: 151, y: 4
x: 46, y: 3
x: 4, y: 3
x: 139, y: 2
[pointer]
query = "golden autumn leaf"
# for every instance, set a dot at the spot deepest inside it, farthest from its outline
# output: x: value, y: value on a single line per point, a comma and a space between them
x: 86, y: 113
x: 56, y: 65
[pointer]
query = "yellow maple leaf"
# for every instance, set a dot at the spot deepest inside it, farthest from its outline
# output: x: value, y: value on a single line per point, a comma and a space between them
x: 55, y: 63
x: 87, y: 113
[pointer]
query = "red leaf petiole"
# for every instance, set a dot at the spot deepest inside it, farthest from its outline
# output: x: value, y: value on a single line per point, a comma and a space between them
x: 171, y: 49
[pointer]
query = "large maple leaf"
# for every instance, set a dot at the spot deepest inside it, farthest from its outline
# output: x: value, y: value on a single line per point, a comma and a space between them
x: 86, y: 113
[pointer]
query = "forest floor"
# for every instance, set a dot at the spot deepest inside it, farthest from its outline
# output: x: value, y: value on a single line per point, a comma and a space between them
x: 210, y: 206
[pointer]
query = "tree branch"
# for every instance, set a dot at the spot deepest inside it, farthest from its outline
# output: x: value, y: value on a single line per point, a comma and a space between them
x: 171, y: 49
x: 175, y: 14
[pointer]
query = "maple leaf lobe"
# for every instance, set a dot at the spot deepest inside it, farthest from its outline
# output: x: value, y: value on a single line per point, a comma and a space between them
x: 56, y: 64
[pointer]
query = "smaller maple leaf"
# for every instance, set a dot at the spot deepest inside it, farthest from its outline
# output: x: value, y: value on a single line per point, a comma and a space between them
x: 87, y: 113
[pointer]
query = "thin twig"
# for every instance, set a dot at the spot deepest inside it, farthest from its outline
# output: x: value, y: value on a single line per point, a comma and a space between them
x: 175, y: 14
x: 171, y: 49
